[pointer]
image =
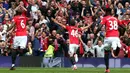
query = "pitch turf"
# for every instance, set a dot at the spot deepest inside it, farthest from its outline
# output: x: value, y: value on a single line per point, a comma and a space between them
x: 63, y: 70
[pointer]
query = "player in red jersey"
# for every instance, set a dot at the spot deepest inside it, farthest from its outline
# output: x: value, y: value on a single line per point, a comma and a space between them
x: 73, y: 40
x: 112, y: 36
x: 20, y: 39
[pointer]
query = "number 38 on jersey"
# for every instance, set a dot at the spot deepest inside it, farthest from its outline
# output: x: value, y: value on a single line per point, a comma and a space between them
x: 113, y: 25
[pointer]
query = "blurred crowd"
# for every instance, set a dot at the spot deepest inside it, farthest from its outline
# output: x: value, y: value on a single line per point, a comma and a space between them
x: 45, y: 36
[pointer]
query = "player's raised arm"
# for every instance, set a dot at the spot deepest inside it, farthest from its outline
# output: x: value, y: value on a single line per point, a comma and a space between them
x: 54, y: 20
x: 80, y: 38
x: 86, y: 27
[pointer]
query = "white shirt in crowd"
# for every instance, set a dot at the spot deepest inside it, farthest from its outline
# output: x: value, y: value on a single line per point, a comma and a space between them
x: 99, y: 50
x: 91, y: 49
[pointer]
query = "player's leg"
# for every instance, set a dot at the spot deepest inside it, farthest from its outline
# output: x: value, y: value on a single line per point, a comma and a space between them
x: 71, y: 54
x: 76, y: 57
x: 75, y: 54
x: 14, y: 52
x: 106, y: 53
x: 106, y: 59
x: 13, y: 56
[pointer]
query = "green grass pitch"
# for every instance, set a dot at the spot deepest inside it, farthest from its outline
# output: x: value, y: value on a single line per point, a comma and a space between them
x: 63, y: 70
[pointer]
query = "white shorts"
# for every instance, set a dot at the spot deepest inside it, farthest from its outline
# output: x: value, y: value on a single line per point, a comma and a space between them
x: 73, y: 48
x: 113, y: 41
x: 20, y: 41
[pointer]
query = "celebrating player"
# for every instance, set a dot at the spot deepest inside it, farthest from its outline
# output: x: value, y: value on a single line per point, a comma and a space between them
x: 73, y: 40
x: 112, y: 36
x: 20, y: 39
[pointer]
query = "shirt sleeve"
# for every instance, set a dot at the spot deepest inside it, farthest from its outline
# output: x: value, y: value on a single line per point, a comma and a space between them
x: 85, y: 47
x: 120, y: 22
x: 27, y: 18
x: 79, y: 29
x: 67, y: 27
x: 94, y: 47
x: 14, y: 20
x: 103, y: 21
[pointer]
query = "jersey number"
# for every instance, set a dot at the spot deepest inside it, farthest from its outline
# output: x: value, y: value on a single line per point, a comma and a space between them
x: 113, y: 25
x: 22, y: 24
x: 74, y: 33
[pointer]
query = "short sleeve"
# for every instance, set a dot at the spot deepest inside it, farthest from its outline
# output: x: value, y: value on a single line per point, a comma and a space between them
x: 27, y: 18
x: 79, y: 29
x: 67, y: 27
x: 103, y: 21
x: 120, y: 22
x: 14, y: 20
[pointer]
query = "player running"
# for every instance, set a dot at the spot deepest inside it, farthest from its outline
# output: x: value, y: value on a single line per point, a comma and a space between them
x: 112, y: 36
x: 20, y: 39
x: 73, y: 40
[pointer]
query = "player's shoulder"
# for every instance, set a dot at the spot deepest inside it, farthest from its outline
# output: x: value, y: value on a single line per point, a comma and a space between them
x: 73, y: 27
x: 107, y: 17
x: 70, y: 26
x: 14, y: 16
x: 111, y: 17
x: 21, y: 16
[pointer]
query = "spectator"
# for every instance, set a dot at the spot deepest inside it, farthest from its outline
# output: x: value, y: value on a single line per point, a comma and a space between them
x: 29, y: 49
x: 89, y: 50
x: 49, y: 53
x: 99, y: 49
x: 1, y: 12
x: 11, y: 10
x: 36, y: 43
x: 6, y: 4
x: 43, y: 20
x: 44, y: 42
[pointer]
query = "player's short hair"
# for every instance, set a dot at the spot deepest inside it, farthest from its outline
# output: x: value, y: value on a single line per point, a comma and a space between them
x: 72, y: 22
x: 19, y: 12
x: 108, y: 11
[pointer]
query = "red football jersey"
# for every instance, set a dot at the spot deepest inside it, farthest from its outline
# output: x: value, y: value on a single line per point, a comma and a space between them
x: 111, y: 24
x: 20, y: 25
x: 125, y: 22
x: 73, y: 34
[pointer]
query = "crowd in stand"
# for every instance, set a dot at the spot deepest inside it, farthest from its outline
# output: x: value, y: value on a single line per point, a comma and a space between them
x: 42, y: 31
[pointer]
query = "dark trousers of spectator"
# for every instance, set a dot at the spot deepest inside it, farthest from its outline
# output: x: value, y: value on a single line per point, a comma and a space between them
x: 38, y: 53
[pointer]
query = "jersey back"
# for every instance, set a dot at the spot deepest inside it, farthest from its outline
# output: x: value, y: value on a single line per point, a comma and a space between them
x: 20, y: 25
x: 111, y: 23
x: 73, y: 34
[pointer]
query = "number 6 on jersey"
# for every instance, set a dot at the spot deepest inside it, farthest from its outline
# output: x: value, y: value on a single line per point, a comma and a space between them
x: 22, y: 24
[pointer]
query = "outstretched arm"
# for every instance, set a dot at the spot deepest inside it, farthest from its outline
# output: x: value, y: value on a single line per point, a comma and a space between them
x: 80, y: 39
x: 54, y: 20
x: 86, y: 27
